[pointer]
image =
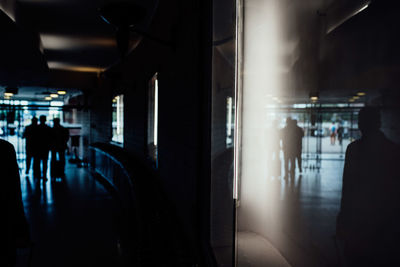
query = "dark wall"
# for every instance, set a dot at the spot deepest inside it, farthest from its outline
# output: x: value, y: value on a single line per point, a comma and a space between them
x: 362, y: 55
x: 183, y: 90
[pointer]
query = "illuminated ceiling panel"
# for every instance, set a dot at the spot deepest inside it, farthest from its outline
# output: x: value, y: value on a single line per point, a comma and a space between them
x: 71, y: 67
x: 63, y: 42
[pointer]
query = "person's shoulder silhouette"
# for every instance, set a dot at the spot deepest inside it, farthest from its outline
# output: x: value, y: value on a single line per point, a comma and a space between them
x: 370, y: 205
x: 16, y: 229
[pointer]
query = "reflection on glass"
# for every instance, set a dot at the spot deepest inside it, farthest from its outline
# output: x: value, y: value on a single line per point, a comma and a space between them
x: 118, y: 119
x: 230, y: 121
x: 152, y: 119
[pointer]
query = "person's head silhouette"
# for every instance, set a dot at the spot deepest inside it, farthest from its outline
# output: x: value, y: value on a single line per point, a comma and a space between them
x: 288, y: 120
x: 42, y: 119
x: 369, y: 120
x: 56, y: 121
x: 34, y: 121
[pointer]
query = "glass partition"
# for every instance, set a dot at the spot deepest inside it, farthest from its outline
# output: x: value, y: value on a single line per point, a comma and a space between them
x: 152, y: 119
x: 223, y: 131
x: 289, y: 81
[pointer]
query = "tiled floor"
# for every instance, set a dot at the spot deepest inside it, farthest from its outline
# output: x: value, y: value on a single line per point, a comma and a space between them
x: 71, y: 221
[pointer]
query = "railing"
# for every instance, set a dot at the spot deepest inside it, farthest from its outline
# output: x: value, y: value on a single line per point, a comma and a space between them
x: 106, y: 162
x: 150, y: 234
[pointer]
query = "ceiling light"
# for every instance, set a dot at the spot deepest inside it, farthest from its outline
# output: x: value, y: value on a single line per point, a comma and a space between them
x: 361, y: 94
x: 62, y: 92
x: 47, y: 98
x: 343, y: 20
x: 356, y: 97
x: 7, y: 94
x: 54, y: 95
x: 314, y: 96
x: 351, y: 100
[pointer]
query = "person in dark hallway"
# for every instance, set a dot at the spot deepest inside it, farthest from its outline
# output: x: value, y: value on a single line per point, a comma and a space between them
x: 29, y: 145
x: 298, y: 135
x: 340, y: 132
x: 333, y: 134
x: 15, y: 232
x: 42, y: 140
x: 288, y: 145
x: 368, y: 223
x: 60, y: 137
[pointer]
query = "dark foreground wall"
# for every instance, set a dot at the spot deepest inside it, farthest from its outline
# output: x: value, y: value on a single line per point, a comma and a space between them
x: 182, y: 67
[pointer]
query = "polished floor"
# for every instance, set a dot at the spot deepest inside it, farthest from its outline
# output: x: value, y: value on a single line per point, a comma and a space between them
x: 302, y: 229
x: 72, y: 221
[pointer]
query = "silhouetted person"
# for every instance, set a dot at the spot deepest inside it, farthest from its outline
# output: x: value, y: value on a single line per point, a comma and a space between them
x: 292, y: 137
x: 369, y: 217
x: 29, y: 144
x: 60, y: 136
x: 333, y: 134
x: 42, y: 139
x: 15, y: 231
x: 340, y: 132
x: 298, y: 135
x: 288, y: 145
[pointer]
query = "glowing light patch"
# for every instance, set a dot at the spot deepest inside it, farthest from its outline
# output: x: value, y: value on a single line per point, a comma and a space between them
x: 63, y: 42
x: 56, y: 103
x: 68, y: 67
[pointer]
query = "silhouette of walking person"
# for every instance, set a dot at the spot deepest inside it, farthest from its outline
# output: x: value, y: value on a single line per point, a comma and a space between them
x: 42, y: 139
x: 369, y: 219
x: 60, y: 136
x: 340, y: 132
x: 29, y: 144
x: 298, y: 135
x: 333, y: 134
x: 288, y: 145
x: 16, y: 230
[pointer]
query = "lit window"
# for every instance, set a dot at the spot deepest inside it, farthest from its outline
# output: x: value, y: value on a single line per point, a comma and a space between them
x: 118, y: 119
x: 152, y: 119
x: 230, y: 123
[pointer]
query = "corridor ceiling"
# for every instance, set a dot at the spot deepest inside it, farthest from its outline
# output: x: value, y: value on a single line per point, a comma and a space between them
x: 45, y: 36
x: 44, y: 41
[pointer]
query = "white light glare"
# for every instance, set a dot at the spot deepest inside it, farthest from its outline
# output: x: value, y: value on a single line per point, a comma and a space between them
x: 156, y: 113
x: 56, y: 103
x: 348, y: 17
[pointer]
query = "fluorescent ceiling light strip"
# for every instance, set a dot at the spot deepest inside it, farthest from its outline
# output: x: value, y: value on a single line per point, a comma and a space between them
x: 348, y: 17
